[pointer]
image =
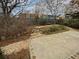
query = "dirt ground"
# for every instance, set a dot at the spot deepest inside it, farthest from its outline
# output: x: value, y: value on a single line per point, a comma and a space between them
x: 56, y: 46
x: 15, y: 48
x: 18, y: 50
x: 23, y: 54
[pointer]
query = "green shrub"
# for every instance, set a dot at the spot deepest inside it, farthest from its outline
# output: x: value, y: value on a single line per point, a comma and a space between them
x: 53, y: 29
x: 74, y: 23
x: 42, y: 21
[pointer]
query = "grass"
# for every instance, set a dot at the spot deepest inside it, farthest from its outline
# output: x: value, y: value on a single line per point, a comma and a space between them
x: 54, y: 29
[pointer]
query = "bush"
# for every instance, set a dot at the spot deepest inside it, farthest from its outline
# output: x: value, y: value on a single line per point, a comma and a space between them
x: 74, y: 23
x: 12, y: 27
x: 54, y: 29
x: 39, y: 21
x: 42, y: 21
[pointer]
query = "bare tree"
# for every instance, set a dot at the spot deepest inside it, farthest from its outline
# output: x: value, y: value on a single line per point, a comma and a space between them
x: 75, y: 2
x: 53, y: 6
x: 36, y: 11
x: 72, y: 7
x: 11, y: 26
x: 8, y: 5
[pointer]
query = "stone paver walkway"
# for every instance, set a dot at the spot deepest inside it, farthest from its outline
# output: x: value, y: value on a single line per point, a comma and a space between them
x: 55, y: 46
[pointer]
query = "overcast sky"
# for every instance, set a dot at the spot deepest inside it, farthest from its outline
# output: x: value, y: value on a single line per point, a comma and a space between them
x: 66, y: 1
x: 31, y: 7
x: 61, y: 9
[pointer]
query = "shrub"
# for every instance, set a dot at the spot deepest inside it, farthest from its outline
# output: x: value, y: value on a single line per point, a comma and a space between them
x: 42, y: 21
x: 74, y: 23
x: 54, y: 29
x: 12, y: 27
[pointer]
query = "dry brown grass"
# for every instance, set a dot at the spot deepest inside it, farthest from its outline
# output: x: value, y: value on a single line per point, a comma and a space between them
x: 23, y: 54
x: 13, y: 30
x: 11, y: 27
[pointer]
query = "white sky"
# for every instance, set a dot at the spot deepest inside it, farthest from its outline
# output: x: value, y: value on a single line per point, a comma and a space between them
x: 30, y: 8
x: 66, y: 1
